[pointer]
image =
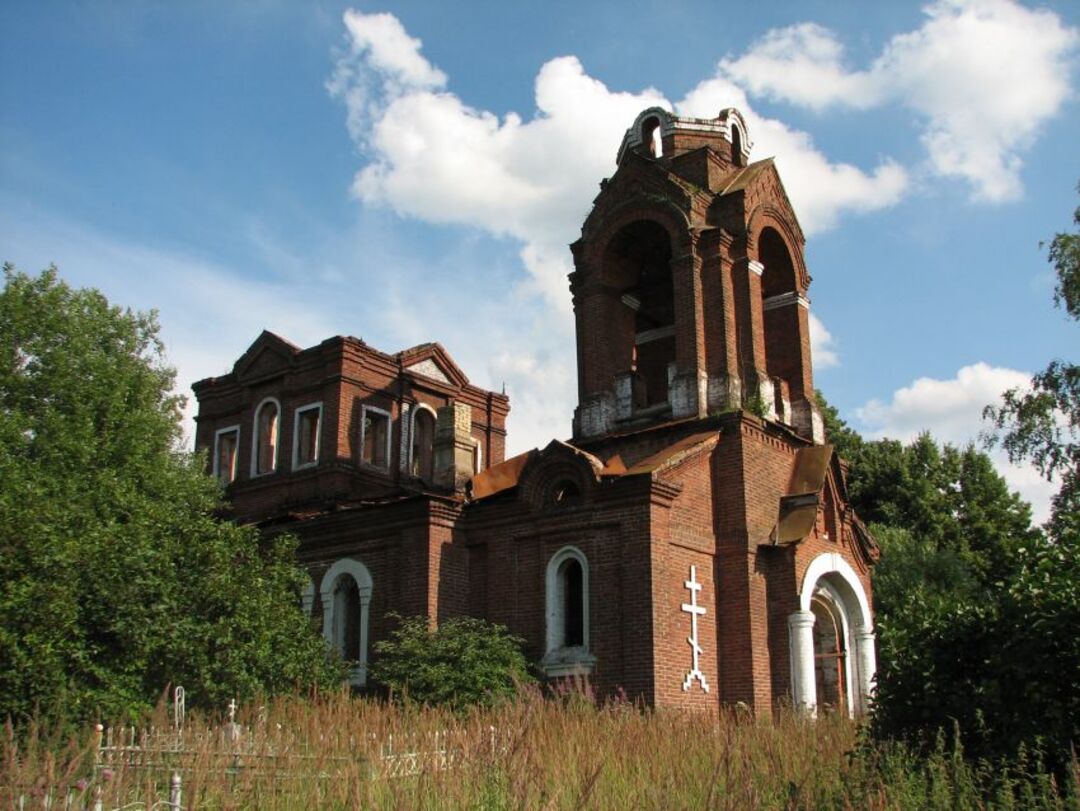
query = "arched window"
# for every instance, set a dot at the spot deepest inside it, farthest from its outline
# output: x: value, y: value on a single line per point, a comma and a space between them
x: 264, y: 450
x: 422, y: 454
x: 346, y: 597
x: 568, y: 614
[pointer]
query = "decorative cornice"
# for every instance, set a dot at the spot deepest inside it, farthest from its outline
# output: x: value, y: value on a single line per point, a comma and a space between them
x: 785, y: 299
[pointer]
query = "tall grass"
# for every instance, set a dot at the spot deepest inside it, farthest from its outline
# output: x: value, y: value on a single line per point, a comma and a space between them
x: 340, y: 752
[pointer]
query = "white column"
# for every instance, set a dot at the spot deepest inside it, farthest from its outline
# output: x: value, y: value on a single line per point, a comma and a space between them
x: 803, y: 685
x: 864, y: 648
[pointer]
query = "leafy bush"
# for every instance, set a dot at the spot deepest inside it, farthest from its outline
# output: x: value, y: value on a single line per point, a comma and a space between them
x: 462, y: 662
x: 118, y: 576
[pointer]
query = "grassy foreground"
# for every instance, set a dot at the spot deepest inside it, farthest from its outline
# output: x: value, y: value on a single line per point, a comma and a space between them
x: 339, y: 752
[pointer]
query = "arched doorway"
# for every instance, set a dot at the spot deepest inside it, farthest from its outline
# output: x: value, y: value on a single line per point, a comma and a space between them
x: 831, y: 637
x: 346, y: 597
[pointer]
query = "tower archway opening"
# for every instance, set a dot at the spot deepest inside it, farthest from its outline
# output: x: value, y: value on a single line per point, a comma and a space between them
x: 779, y: 292
x: 641, y: 323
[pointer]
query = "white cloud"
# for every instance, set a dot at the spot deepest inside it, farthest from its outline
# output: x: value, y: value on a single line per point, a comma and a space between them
x: 952, y: 411
x: 435, y: 158
x: 983, y: 76
x: 822, y: 345
x: 820, y: 191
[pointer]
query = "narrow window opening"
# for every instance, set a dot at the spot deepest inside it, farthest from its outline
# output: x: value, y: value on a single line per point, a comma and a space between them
x: 376, y: 433
x: 571, y: 581
x: 266, y: 438
x: 423, y: 444
x: 347, y: 615
x: 228, y: 442
x: 307, y: 436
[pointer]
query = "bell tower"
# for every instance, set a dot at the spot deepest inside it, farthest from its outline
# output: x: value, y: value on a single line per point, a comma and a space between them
x: 690, y: 284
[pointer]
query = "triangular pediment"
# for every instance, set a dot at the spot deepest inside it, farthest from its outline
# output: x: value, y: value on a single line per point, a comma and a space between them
x: 639, y: 183
x: 761, y: 181
x: 432, y: 362
x: 269, y: 355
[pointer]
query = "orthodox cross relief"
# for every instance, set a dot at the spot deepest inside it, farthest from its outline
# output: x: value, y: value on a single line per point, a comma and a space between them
x: 694, y: 610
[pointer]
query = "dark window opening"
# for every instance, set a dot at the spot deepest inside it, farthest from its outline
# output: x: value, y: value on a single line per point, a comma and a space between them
x: 228, y: 442
x: 307, y: 439
x: 266, y: 439
x: 376, y: 432
x: 347, y: 611
x: 574, y: 604
x: 423, y: 444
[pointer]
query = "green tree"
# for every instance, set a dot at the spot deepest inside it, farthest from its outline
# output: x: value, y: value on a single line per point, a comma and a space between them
x: 462, y: 662
x: 1043, y: 424
x: 118, y: 578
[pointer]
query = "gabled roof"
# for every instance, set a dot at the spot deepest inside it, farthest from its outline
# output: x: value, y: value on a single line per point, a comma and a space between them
x: 431, y: 361
x: 268, y: 354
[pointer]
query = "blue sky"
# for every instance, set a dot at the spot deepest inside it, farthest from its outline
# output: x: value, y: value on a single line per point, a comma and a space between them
x: 414, y: 171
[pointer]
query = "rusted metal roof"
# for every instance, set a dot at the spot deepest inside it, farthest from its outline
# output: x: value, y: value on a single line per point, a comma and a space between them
x: 500, y: 477
x: 673, y: 453
x: 799, y: 506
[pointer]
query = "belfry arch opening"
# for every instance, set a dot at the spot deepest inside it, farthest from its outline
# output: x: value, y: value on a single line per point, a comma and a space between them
x: 780, y: 302
x: 736, y: 146
x: 650, y: 137
x: 641, y: 315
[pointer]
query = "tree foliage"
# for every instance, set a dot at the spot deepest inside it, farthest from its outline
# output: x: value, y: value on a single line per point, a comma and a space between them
x: 1042, y: 424
x: 463, y: 662
x: 975, y: 609
x: 118, y: 578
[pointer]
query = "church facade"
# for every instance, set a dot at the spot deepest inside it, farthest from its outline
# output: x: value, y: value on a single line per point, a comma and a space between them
x: 691, y: 544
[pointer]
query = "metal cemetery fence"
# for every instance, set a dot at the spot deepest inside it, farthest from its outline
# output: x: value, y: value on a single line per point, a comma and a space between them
x: 160, y: 761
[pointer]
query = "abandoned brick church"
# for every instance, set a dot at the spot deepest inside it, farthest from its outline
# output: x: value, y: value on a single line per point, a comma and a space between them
x: 691, y: 544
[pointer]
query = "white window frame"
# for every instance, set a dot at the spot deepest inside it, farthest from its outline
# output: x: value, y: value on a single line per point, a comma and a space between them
x: 561, y: 660
x: 412, y: 430
x: 333, y: 626
x: 255, y: 439
x: 296, y: 436
x: 236, y: 457
x: 364, y: 409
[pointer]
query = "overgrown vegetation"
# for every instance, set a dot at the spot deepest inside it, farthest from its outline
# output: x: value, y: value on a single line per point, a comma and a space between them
x: 463, y: 662
x: 339, y: 752
x: 118, y: 577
